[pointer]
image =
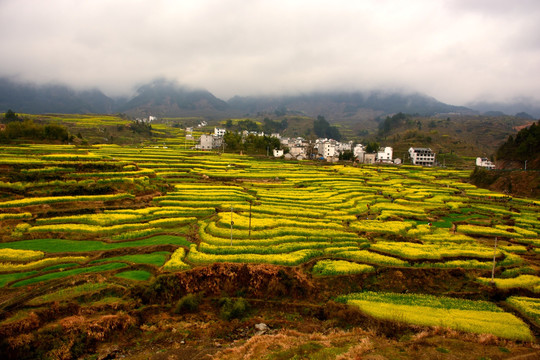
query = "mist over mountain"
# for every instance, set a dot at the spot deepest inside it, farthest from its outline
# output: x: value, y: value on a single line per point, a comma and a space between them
x: 341, y: 105
x: 164, y: 98
x: 53, y: 98
x: 516, y: 107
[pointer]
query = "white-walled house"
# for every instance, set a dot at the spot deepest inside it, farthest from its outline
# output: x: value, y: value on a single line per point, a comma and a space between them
x: 329, y: 150
x: 297, y: 150
x: 358, y: 149
x: 385, y: 154
x: 219, y: 132
x: 209, y: 142
x: 422, y: 156
x: 485, y: 163
x: 278, y: 153
x: 344, y: 146
x: 369, y: 158
x: 206, y: 142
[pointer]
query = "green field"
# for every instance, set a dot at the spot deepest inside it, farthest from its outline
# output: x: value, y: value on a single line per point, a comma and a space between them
x: 131, y: 216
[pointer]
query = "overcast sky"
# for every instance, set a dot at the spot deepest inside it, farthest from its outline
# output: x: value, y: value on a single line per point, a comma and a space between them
x: 455, y: 50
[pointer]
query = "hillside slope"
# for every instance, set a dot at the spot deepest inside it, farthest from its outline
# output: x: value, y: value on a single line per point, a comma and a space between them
x: 33, y: 99
x: 518, y: 165
x: 449, y: 137
x: 162, y: 97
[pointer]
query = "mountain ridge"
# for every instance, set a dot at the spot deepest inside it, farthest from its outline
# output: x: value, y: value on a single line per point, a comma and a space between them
x: 165, y: 98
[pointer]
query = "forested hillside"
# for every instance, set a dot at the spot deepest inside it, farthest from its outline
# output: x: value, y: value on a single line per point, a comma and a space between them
x: 524, y: 146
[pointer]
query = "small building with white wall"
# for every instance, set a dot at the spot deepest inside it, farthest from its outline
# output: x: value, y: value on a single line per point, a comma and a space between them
x: 329, y: 150
x: 278, y: 153
x: 297, y: 150
x: 422, y: 156
x: 206, y: 142
x: 369, y: 158
x: 358, y: 150
x: 385, y: 154
x: 485, y: 163
x: 219, y: 132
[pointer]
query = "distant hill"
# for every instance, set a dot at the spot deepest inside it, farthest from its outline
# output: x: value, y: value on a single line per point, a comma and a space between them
x: 164, y: 98
x: 159, y: 98
x: 521, y: 108
x: 28, y: 98
x: 339, y: 106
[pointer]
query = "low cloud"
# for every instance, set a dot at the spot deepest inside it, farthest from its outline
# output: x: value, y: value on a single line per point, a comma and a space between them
x: 454, y: 50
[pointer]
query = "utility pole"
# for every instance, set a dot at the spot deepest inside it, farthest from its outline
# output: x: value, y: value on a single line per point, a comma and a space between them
x: 250, y: 203
x: 494, y: 256
x: 231, y: 223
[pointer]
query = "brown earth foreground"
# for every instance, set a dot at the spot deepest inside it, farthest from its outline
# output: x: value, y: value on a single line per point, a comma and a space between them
x: 302, y: 321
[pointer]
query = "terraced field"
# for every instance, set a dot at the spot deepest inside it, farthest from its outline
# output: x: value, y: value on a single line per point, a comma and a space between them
x: 102, y: 223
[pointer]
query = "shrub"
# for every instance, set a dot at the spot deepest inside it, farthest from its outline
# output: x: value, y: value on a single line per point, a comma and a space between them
x: 236, y: 309
x: 188, y: 303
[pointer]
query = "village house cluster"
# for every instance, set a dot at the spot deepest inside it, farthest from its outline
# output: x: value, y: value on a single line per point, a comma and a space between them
x: 329, y: 150
x: 301, y: 149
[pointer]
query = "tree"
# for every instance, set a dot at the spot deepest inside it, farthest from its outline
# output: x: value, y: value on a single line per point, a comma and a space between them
x: 284, y: 124
x: 29, y: 130
x: 141, y: 127
x: 392, y: 122
x: 320, y: 125
x: 271, y: 126
x: 524, y: 146
x: 346, y: 155
x: 248, y: 125
x: 233, y: 141
x: 56, y: 132
x: 10, y: 116
x: 372, y: 147
x: 323, y: 129
x: 260, y: 144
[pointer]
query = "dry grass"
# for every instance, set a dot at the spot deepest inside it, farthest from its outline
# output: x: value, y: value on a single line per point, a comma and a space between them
x: 259, y: 346
x: 357, y: 351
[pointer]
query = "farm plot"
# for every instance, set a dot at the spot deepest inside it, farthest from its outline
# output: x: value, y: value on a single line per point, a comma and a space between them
x: 464, y: 315
x: 133, y: 214
x: 114, y: 220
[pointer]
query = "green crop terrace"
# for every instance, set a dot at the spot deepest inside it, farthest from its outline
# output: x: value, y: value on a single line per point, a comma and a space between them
x: 133, y: 214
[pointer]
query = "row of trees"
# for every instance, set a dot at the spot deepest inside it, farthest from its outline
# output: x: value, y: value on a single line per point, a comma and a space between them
x: 321, y: 127
x: 141, y: 127
x: 268, y: 126
x: 250, y: 144
x: 29, y: 130
x: 18, y: 129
